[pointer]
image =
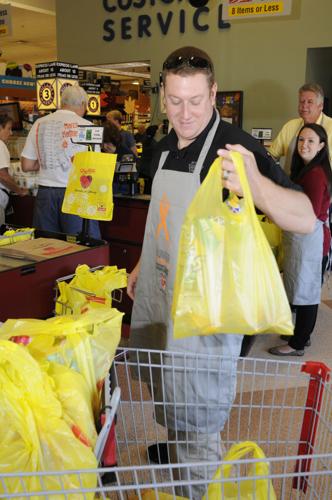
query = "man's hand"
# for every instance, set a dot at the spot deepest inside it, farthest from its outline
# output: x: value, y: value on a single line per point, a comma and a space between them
x: 230, y: 178
x: 291, y: 210
x: 132, y: 280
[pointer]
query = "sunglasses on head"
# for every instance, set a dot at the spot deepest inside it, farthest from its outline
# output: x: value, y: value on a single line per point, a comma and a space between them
x: 192, y: 62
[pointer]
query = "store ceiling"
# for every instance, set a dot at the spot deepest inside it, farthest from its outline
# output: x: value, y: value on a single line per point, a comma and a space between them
x: 33, y: 37
x: 33, y: 40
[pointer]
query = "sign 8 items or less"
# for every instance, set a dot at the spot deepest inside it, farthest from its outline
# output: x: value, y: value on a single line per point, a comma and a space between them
x: 242, y: 9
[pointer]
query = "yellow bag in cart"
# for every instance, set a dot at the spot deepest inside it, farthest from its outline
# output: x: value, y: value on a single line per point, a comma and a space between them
x: 89, y: 191
x: 227, y: 279
x: 89, y: 288
x: 249, y: 488
x: 86, y: 343
x: 33, y: 433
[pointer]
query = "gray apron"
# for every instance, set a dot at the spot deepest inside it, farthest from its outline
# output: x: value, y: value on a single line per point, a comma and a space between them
x: 151, y: 325
x: 302, y: 270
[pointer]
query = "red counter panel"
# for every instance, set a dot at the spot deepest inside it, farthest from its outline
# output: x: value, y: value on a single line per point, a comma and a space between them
x: 29, y: 291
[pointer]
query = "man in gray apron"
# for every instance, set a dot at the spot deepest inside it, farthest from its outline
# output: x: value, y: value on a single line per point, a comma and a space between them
x: 201, y: 404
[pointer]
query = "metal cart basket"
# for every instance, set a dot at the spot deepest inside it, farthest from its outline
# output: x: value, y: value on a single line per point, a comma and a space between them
x: 285, y: 407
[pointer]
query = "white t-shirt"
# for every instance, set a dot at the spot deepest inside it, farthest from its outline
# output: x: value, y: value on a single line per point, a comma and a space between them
x: 49, y: 142
x: 4, y: 160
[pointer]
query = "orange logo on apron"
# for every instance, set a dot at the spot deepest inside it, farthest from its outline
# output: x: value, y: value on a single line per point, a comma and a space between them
x: 163, y: 212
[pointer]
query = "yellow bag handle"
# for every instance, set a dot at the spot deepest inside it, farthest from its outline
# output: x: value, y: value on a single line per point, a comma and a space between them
x: 240, y: 450
x: 244, y: 490
x: 209, y: 198
x: 241, y: 172
x: 214, y: 179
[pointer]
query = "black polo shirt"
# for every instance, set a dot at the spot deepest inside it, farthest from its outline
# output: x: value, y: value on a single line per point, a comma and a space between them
x: 184, y: 160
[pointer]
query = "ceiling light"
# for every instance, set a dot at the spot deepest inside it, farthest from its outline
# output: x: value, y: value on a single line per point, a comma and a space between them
x: 137, y: 64
x: 100, y: 69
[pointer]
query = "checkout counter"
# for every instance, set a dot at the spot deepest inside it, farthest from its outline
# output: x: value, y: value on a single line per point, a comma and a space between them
x: 29, y: 270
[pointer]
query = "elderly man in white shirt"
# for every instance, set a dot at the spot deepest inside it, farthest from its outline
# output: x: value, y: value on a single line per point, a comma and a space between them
x: 49, y: 150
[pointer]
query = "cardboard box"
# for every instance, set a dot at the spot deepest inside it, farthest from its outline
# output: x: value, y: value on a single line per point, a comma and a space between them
x: 40, y: 249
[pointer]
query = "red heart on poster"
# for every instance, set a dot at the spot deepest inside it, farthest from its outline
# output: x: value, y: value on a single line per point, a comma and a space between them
x: 85, y: 181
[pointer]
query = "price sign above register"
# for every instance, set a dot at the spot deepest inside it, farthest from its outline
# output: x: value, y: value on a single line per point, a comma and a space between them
x: 88, y: 134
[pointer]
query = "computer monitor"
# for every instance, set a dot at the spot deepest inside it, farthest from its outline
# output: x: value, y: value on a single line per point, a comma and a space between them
x: 13, y: 110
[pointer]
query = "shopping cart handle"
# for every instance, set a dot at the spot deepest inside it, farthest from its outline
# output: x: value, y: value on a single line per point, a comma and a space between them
x: 110, y: 411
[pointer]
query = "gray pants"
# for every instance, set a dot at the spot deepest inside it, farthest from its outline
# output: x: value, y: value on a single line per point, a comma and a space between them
x: 190, y: 448
x: 48, y: 215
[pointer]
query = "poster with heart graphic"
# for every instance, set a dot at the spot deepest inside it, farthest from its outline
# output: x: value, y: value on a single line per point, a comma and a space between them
x: 89, y: 192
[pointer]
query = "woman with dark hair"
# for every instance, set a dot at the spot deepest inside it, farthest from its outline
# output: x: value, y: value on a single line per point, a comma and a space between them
x: 305, y: 256
x: 112, y: 141
x: 7, y: 183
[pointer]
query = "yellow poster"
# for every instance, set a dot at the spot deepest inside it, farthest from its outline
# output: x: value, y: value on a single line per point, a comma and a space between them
x: 240, y: 9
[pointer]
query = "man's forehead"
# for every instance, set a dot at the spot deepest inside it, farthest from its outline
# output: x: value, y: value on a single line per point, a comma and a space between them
x: 308, y: 94
x: 188, y: 81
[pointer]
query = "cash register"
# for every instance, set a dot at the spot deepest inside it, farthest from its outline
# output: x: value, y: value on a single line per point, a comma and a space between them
x: 126, y: 176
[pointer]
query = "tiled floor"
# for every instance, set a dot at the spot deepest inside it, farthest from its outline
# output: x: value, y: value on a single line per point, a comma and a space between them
x: 321, y: 347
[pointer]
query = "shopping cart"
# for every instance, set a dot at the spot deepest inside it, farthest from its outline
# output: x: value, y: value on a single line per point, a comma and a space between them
x: 105, y: 446
x: 285, y: 407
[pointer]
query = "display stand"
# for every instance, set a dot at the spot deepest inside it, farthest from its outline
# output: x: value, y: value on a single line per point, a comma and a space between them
x: 83, y: 237
x: 92, y: 136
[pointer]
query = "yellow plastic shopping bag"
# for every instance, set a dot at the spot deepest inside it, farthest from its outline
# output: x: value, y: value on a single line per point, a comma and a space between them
x: 246, y: 489
x: 13, y: 235
x: 89, y: 192
x: 86, y: 343
x: 227, y: 279
x: 89, y: 289
x: 73, y: 393
x: 271, y: 231
x: 273, y: 235
x: 33, y: 434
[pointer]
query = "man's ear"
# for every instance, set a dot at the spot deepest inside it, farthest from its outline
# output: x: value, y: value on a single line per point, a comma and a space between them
x: 213, y: 92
